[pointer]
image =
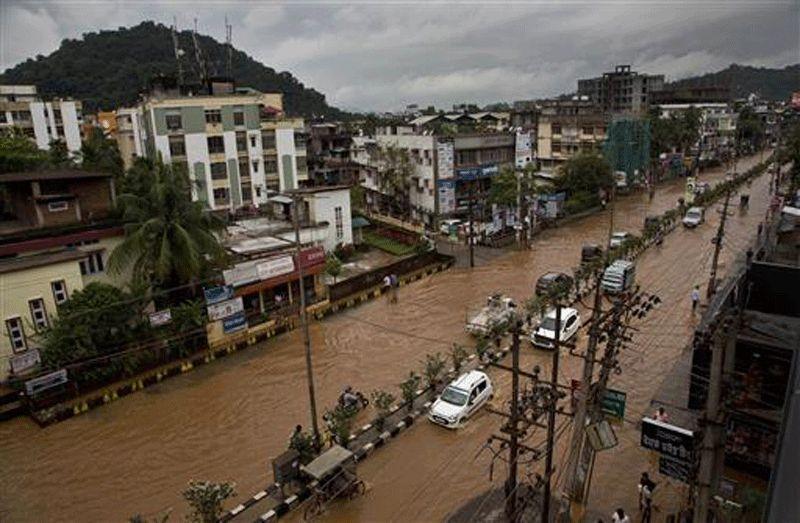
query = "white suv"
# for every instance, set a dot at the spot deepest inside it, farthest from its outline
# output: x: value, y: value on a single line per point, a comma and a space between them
x: 461, y: 399
x: 545, y: 333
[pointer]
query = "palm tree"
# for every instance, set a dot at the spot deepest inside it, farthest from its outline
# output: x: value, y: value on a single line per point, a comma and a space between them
x: 169, y: 239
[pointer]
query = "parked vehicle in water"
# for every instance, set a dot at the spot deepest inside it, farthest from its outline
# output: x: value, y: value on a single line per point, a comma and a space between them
x: 331, y: 475
x: 694, y: 217
x: 551, y: 280
x: 449, y: 226
x: 461, y: 399
x: 618, y: 277
x: 495, y: 314
x: 545, y: 333
x: 591, y: 252
x: 619, y: 238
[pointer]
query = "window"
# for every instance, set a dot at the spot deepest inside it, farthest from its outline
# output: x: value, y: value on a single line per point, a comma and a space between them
x: 216, y: 145
x: 588, y: 130
x: 38, y: 313
x: 174, y: 122
x: 3, y: 118
x: 213, y: 116
x: 252, y: 140
x: 556, y: 128
x: 59, y: 291
x: 247, y: 193
x: 339, y: 221
x: 16, y: 334
x: 241, y: 141
x: 299, y: 140
x: 238, y: 117
x: 556, y: 147
x: 258, y: 192
x: 221, y: 195
x: 255, y: 166
x: 244, y: 168
x: 268, y: 139
x: 302, y: 164
x: 177, y: 146
x: 58, y: 206
x: 93, y: 264
x: 57, y: 115
x: 219, y: 171
x: 271, y: 164
x: 481, y: 387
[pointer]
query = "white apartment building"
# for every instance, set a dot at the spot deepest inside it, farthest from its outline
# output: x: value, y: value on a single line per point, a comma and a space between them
x: 718, y: 124
x: 235, y: 143
x: 43, y: 121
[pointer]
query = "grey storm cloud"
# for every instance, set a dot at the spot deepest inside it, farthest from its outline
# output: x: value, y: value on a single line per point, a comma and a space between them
x: 381, y: 56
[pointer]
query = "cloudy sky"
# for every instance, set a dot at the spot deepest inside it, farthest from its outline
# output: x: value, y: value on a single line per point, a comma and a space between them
x: 383, y: 55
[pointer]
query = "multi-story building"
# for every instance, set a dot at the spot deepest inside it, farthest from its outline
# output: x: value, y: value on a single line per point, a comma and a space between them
x: 41, y: 120
x: 328, y: 151
x: 718, y: 126
x: 447, y: 170
x: 236, y: 143
x: 622, y: 91
x: 129, y: 135
x: 56, y: 242
x: 566, y: 127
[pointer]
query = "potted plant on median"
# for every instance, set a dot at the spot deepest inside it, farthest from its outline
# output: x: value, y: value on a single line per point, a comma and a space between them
x: 458, y: 355
x: 434, y: 366
x: 408, y: 389
x: 383, y: 402
x: 205, y: 499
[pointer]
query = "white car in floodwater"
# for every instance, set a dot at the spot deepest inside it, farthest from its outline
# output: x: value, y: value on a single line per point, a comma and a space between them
x: 461, y: 399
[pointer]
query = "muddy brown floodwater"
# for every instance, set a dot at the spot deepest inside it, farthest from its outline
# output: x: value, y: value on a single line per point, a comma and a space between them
x: 226, y: 421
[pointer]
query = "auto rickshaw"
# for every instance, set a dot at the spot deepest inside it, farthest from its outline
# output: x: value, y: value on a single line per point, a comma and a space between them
x: 333, y: 475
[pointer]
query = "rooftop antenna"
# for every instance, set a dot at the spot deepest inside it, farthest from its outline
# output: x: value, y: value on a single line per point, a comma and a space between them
x: 176, y: 49
x: 228, y: 39
x: 198, y: 56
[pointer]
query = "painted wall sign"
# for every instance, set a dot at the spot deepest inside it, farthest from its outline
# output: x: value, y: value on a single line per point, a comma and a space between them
x: 48, y: 381
x: 160, y: 318
x: 218, y: 294
x: 311, y: 257
x: 221, y: 310
x: 234, y: 323
x: 21, y: 363
x: 668, y: 440
x: 275, y: 267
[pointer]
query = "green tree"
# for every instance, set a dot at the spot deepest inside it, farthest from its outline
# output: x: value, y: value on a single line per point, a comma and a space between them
x: 504, y: 188
x: 185, y: 333
x: 333, y: 266
x: 101, y: 154
x: 394, y: 176
x: 408, y: 389
x: 382, y: 401
x: 433, y: 367
x: 206, y: 498
x: 58, y: 155
x: 358, y: 197
x: 169, y: 240
x: 583, y: 177
x: 749, y: 128
x: 18, y: 152
x: 98, y: 320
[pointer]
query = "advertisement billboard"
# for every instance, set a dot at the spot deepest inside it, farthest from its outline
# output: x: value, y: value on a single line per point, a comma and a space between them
x: 523, y: 150
x: 234, y: 323
x: 218, y: 294
x: 160, y: 318
x: 221, y: 310
x: 447, y: 196
x: 444, y: 160
x: 275, y: 267
x: 21, y: 363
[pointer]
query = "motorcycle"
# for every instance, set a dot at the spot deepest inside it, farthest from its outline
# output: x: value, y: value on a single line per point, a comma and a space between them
x: 361, y: 402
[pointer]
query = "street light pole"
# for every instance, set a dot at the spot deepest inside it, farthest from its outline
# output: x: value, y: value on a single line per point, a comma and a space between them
x: 304, y: 321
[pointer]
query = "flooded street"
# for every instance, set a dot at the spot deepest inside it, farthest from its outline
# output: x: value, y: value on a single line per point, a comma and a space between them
x: 226, y: 421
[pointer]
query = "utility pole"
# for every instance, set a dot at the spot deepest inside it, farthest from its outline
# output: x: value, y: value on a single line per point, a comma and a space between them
x: 177, y: 50
x: 471, y: 226
x: 513, y: 449
x: 296, y: 199
x: 712, y: 280
x: 551, y: 419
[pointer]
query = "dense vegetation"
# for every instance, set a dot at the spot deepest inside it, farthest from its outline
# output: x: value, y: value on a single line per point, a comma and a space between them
x: 772, y: 84
x: 109, y: 69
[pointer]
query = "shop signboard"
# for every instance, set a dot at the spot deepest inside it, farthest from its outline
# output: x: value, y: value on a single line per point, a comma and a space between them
x: 673, y: 468
x: 48, y: 381
x: 311, y: 257
x: 473, y: 173
x: 668, y: 440
x: 447, y: 196
x: 225, y: 309
x: 21, y: 363
x: 691, y: 186
x: 444, y: 160
x: 159, y: 318
x: 601, y: 436
x: 614, y: 404
x: 275, y: 267
x: 234, y: 323
x: 218, y: 294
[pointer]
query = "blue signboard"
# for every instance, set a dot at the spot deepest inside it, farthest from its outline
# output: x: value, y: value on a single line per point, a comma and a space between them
x: 555, y: 197
x: 218, y: 294
x: 473, y: 173
x: 234, y: 323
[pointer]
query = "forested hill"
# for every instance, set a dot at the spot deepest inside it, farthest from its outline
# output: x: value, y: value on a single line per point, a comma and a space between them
x: 109, y: 69
x: 772, y: 84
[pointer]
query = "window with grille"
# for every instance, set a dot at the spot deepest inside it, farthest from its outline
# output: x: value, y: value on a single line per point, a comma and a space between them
x: 16, y: 334
x: 219, y: 171
x: 216, y: 145
x: 177, y: 146
x: 238, y: 118
x: 60, y: 295
x: 339, y: 221
x: 270, y: 164
x: 174, y: 122
x: 213, y: 116
x: 244, y: 168
x: 241, y: 141
x: 268, y: 139
x: 221, y: 195
x: 38, y: 313
x: 247, y: 192
x: 253, y: 140
x: 556, y: 129
x: 93, y: 264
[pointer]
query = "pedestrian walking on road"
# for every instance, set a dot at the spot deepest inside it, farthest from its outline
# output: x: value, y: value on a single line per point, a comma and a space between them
x: 387, y: 286
x: 695, y: 298
x: 646, y: 488
x: 619, y: 516
x: 395, y: 282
